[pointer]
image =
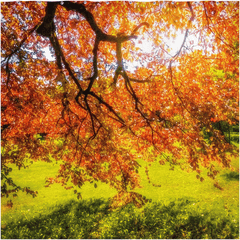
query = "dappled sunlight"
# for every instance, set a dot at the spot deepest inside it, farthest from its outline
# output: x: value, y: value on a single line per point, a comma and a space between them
x: 130, y: 101
x: 92, y: 219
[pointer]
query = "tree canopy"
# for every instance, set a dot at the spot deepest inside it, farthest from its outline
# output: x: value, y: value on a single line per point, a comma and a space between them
x: 97, y: 85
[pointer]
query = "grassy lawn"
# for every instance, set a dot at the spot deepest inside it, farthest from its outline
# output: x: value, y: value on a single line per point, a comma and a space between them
x: 183, y: 207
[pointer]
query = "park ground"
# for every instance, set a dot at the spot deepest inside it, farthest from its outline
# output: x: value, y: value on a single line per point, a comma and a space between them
x: 183, y: 207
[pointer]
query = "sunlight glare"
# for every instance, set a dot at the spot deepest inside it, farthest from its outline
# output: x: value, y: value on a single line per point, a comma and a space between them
x: 48, y: 54
x: 172, y: 45
x: 145, y: 45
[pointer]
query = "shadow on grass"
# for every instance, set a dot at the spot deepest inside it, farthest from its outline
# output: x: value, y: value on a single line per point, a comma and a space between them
x: 92, y: 219
x: 232, y: 176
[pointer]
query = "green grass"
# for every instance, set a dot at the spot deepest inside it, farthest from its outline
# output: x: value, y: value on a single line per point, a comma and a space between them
x: 177, y: 183
x: 183, y: 207
x: 34, y: 177
x: 92, y: 219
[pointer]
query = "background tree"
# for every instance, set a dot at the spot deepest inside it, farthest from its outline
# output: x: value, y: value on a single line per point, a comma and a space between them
x: 101, y: 101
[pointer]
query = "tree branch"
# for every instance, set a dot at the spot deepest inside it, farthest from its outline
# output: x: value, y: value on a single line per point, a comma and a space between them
x: 80, y: 8
x: 109, y: 107
x: 140, y: 25
x: 14, y: 51
x: 47, y: 27
x: 58, y: 51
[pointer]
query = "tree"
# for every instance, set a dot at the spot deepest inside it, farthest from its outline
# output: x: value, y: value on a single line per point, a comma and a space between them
x: 100, y: 101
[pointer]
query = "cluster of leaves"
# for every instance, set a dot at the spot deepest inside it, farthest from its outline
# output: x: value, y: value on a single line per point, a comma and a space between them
x: 8, y: 187
x: 183, y: 219
x: 95, y: 112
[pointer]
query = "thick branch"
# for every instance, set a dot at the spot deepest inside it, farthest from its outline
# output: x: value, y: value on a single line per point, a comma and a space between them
x: 58, y: 51
x: 95, y: 68
x: 47, y: 27
x: 80, y: 8
x: 100, y: 36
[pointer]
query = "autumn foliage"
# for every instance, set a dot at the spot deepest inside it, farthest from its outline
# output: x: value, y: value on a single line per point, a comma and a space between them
x: 101, y: 102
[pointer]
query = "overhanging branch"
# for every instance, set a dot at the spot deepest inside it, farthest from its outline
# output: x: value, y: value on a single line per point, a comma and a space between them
x: 48, y: 24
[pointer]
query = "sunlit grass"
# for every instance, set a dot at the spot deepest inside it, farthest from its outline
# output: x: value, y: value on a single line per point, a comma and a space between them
x: 35, y: 176
x: 183, y: 207
x: 176, y: 183
x: 182, y: 218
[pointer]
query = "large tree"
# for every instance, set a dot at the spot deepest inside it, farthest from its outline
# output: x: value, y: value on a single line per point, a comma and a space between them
x: 115, y: 87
